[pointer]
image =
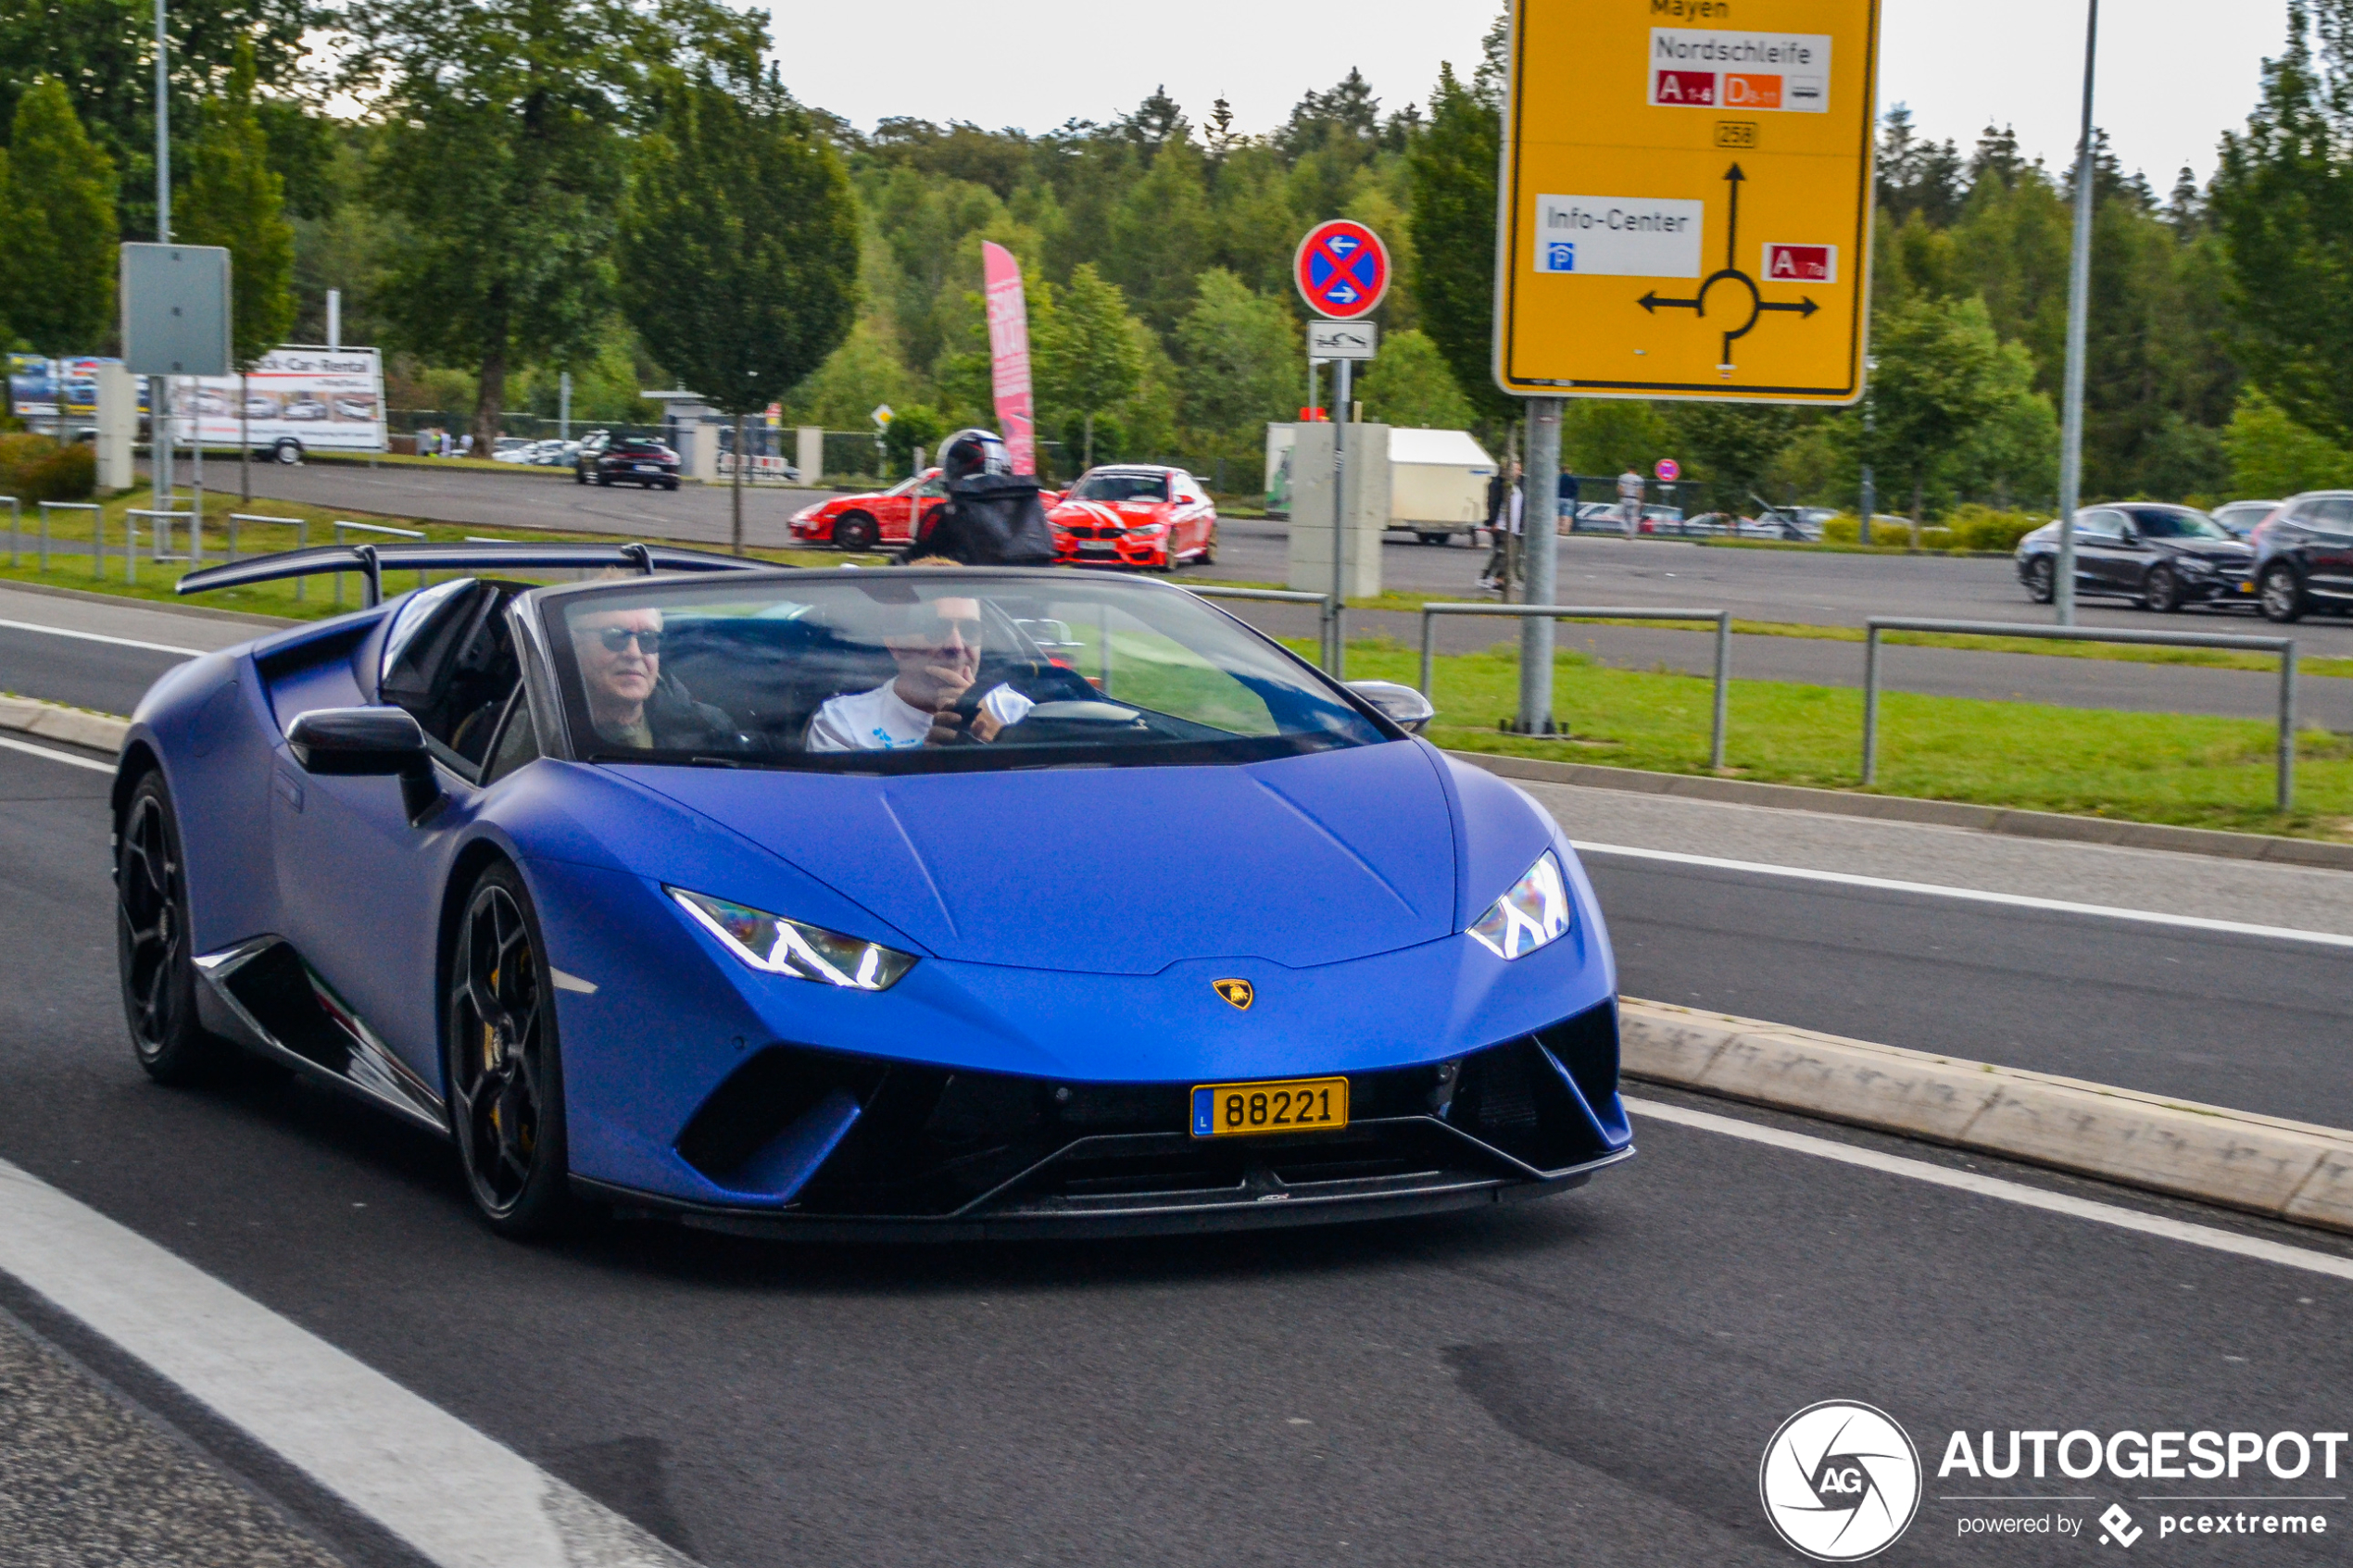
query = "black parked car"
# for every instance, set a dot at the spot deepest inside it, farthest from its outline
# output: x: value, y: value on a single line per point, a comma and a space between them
x: 2304, y: 556
x: 627, y: 460
x: 2159, y: 557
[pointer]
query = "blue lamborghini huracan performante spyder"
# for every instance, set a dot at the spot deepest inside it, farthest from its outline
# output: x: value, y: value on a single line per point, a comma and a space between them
x: 925, y: 902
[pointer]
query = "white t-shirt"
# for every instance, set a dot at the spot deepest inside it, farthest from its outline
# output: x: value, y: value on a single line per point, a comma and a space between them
x: 883, y: 721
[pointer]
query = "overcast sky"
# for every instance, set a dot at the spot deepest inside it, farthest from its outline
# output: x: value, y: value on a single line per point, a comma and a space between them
x: 2174, y: 74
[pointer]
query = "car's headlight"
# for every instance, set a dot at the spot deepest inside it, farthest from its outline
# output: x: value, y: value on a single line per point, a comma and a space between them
x: 785, y: 946
x: 1534, y: 912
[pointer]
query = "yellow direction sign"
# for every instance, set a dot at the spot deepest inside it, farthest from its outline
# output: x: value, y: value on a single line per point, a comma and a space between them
x: 1686, y: 199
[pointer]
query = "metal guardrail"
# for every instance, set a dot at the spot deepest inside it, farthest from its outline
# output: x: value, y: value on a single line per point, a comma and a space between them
x: 160, y: 529
x: 375, y: 576
x: 16, y: 528
x: 1722, y: 618
x: 302, y: 537
x: 98, y: 535
x: 2284, y: 646
x: 1332, y: 613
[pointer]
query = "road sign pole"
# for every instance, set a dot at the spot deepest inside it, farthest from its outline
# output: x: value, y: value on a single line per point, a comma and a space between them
x: 1338, y: 664
x: 2078, y: 288
x: 1540, y: 548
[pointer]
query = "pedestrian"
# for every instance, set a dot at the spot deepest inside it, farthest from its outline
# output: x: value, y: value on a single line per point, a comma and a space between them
x: 1503, y: 525
x: 1629, y: 500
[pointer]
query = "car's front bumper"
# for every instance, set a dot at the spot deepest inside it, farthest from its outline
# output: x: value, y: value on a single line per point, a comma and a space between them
x: 862, y: 1147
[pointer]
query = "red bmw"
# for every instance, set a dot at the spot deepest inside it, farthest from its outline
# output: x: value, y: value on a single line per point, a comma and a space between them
x: 866, y: 522
x: 1135, y: 515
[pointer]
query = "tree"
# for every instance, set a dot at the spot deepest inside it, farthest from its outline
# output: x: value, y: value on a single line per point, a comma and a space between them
x: 2283, y: 202
x: 1730, y: 445
x: 1409, y: 384
x: 500, y: 150
x: 104, y: 52
x: 2271, y: 454
x: 1241, y: 356
x: 236, y: 201
x: 1088, y: 357
x: 57, y: 249
x: 1940, y: 378
x: 738, y: 248
x: 1453, y: 172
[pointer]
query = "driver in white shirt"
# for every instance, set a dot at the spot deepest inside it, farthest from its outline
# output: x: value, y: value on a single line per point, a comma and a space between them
x: 937, y: 652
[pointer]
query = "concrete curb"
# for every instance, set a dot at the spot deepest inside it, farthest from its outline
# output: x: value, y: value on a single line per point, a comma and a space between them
x: 73, y: 726
x: 1940, y: 813
x: 2289, y: 1171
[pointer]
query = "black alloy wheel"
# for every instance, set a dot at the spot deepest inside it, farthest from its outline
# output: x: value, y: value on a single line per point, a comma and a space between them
x: 152, y: 942
x: 505, y: 1077
x: 855, y: 532
x: 2161, y: 589
x: 2279, y: 596
x: 579, y: 475
x: 2039, y: 575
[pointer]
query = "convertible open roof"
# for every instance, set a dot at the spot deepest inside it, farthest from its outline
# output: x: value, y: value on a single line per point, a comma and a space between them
x: 373, y: 560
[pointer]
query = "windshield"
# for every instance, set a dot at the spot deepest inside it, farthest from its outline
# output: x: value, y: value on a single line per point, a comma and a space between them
x: 2166, y: 522
x: 938, y: 671
x: 1121, y: 488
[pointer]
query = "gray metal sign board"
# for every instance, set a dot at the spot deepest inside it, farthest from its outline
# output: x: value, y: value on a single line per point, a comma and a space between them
x: 175, y: 310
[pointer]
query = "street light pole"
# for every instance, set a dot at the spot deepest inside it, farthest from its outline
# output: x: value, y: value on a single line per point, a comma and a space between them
x: 159, y: 387
x: 2079, y: 293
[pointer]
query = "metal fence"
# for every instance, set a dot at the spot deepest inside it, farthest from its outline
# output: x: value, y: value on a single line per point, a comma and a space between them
x: 2282, y: 646
x: 16, y: 528
x: 1332, y: 614
x: 97, y: 520
x: 375, y: 580
x: 1722, y: 618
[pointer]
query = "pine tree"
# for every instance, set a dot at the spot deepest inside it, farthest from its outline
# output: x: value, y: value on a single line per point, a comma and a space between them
x: 1452, y: 167
x: 56, y: 229
x: 235, y: 200
x: 1089, y: 357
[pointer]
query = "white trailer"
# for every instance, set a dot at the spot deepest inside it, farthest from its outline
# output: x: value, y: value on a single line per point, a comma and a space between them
x: 1437, y: 480
x: 296, y: 399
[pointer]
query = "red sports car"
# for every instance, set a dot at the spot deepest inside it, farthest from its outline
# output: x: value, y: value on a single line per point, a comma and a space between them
x: 863, y: 522
x: 1135, y: 515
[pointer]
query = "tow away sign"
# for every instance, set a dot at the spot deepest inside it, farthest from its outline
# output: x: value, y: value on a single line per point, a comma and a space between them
x: 1685, y: 207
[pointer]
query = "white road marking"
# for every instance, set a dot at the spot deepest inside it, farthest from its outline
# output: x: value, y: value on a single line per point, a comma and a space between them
x: 1976, y: 894
x: 99, y: 637
x: 2008, y: 1191
x: 458, y: 1498
x: 66, y: 758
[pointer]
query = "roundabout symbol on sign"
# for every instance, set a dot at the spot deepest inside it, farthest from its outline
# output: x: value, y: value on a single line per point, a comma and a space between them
x: 1342, y: 270
x: 1741, y: 298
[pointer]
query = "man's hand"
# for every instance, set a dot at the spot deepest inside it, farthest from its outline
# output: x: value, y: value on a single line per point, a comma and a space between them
x: 948, y: 722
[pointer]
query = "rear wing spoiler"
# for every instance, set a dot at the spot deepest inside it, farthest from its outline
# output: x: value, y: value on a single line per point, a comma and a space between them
x: 373, y: 560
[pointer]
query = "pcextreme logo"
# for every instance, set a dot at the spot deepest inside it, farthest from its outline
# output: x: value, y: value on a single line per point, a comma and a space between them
x: 1841, y: 1481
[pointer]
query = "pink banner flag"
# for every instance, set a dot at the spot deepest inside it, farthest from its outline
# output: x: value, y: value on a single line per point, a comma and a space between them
x: 1008, y: 353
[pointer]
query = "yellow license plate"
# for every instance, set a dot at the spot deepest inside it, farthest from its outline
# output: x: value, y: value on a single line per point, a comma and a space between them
x: 1292, y: 1104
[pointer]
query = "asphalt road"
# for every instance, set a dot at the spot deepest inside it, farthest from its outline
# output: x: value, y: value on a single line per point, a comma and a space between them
x: 1590, y: 1379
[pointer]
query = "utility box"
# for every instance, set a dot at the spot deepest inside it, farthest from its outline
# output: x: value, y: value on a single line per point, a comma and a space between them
x: 117, y: 426
x: 1365, y: 504
x: 1437, y: 482
x: 809, y: 452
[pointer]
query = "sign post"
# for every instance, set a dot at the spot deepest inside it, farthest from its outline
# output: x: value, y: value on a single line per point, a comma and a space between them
x: 1342, y: 271
x: 1683, y: 212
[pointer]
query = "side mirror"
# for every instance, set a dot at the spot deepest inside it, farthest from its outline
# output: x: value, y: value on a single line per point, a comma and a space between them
x: 1402, y: 706
x: 367, y: 743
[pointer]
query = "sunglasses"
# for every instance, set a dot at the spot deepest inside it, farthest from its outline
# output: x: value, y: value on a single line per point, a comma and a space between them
x: 616, y: 638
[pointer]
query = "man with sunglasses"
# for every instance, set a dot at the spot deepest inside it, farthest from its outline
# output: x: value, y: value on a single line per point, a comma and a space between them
x: 937, y: 646
x: 619, y: 652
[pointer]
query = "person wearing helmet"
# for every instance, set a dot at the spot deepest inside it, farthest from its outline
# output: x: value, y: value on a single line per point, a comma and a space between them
x: 992, y: 515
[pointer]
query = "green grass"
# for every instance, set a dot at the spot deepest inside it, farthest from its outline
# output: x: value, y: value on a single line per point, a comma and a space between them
x: 156, y: 581
x: 2121, y: 653
x: 2182, y: 769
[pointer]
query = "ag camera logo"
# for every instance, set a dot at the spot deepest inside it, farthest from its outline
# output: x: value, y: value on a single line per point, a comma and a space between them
x: 1841, y: 1481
